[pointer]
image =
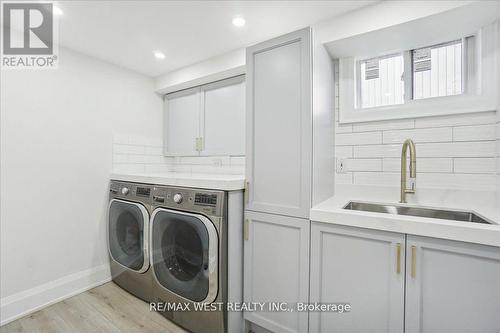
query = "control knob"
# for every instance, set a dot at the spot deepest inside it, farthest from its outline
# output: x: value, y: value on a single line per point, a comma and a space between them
x: 125, y: 190
x: 178, y: 198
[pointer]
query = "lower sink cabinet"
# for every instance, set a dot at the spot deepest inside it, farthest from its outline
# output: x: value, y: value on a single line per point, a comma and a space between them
x: 451, y: 287
x: 398, y: 283
x: 359, y: 267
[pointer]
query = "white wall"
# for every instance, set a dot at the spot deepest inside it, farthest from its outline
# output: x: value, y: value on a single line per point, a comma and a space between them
x: 56, y: 157
x: 381, y: 15
x: 213, y: 69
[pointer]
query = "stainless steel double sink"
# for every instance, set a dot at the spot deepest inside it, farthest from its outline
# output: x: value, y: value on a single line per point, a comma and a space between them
x: 452, y: 215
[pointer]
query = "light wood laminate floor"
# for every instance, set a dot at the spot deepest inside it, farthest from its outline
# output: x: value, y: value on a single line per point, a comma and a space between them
x: 106, y: 308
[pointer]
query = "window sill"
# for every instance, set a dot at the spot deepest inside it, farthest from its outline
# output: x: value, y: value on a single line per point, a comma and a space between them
x: 437, y: 106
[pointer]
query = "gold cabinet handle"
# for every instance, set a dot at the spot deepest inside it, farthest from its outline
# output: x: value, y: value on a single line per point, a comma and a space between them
x: 246, y: 229
x: 398, y: 258
x: 413, y: 261
x: 247, y: 187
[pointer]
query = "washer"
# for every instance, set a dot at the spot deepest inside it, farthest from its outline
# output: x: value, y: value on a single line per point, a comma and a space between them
x: 128, y: 237
x: 189, y: 233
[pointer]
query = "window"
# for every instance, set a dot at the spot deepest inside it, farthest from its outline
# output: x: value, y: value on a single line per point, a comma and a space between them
x: 420, y: 73
x: 436, y: 71
x: 381, y: 81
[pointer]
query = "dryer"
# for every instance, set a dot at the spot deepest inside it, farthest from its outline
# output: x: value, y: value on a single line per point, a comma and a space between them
x: 128, y: 237
x: 188, y: 242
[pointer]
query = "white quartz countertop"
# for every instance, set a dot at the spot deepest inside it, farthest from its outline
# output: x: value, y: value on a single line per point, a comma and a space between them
x: 195, y: 180
x: 484, y: 204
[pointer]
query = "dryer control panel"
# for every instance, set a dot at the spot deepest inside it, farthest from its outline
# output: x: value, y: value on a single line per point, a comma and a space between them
x: 130, y: 191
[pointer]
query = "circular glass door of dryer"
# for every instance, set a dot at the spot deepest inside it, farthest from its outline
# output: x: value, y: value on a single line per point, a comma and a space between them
x: 184, y: 250
x: 127, y: 233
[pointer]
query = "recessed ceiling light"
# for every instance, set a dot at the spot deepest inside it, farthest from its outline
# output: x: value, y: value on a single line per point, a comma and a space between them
x: 238, y: 21
x: 159, y: 54
x: 57, y: 10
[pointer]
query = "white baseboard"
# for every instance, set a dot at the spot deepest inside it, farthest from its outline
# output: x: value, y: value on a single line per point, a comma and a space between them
x: 25, y: 302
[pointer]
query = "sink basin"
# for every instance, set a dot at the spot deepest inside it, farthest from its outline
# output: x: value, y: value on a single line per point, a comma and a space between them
x: 453, y: 215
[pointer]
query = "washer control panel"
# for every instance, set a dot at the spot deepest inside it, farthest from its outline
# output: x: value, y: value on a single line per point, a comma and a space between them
x: 196, y: 200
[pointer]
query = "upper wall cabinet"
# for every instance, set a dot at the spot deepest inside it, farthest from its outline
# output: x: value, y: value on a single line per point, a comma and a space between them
x: 206, y: 120
x: 223, y: 127
x: 182, y: 122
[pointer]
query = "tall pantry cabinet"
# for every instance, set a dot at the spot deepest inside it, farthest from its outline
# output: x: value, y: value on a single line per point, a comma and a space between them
x: 282, y: 165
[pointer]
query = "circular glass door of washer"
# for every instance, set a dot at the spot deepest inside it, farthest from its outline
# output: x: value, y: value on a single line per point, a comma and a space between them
x: 180, y: 245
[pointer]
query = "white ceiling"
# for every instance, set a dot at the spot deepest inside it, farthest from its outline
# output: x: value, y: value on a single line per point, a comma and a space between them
x: 126, y: 32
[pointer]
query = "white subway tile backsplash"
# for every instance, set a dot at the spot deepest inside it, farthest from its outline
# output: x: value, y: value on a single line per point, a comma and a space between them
x: 456, y: 120
x: 237, y: 160
x: 205, y: 160
x: 120, y: 149
x: 418, y: 135
x: 437, y: 165
x: 120, y: 158
x: 153, y: 151
x: 142, y: 154
x: 156, y: 168
x: 474, y: 133
x: 343, y: 151
x: 343, y: 178
x: 365, y: 138
x: 343, y: 128
x: 364, y: 164
x: 474, y: 182
x: 457, y: 149
x: 475, y: 165
x: 377, y: 151
x: 384, y: 125
x: 138, y: 159
x: 181, y: 168
x: 128, y: 149
x: 377, y: 178
x: 457, y: 181
x: 128, y: 168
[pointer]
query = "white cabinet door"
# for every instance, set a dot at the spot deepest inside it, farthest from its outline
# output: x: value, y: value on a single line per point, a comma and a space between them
x: 362, y: 267
x: 224, y: 117
x: 452, y: 287
x: 276, y: 269
x: 279, y: 139
x: 182, y: 122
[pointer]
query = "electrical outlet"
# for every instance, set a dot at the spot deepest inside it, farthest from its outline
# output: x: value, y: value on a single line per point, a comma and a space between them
x: 217, y: 162
x: 341, y: 168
